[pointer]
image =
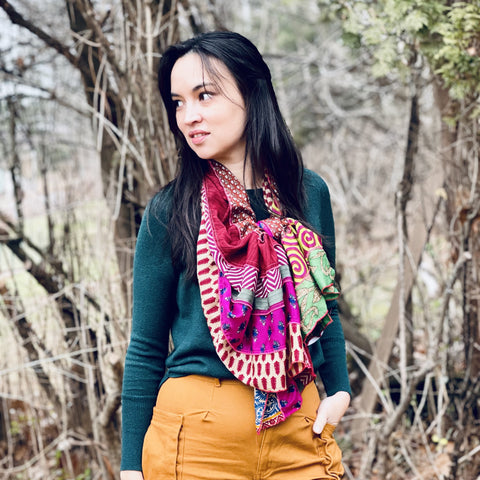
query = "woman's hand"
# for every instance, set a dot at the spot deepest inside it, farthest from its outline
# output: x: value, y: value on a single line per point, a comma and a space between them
x: 131, y: 475
x: 331, y: 410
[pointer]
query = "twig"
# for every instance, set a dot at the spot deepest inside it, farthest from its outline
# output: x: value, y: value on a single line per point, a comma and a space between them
x: 448, y: 292
x: 392, y: 421
x: 469, y: 455
x: 68, y: 355
x: 388, y: 407
x: 407, y: 457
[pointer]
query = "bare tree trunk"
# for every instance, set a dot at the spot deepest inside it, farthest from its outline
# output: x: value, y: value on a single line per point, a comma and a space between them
x: 46, y: 199
x: 461, y: 163
x: 15, y: 167
x: 403, y: 196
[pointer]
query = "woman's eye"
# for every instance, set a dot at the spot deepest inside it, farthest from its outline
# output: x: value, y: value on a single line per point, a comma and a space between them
x: 177, y: 103
x: 205, y: 96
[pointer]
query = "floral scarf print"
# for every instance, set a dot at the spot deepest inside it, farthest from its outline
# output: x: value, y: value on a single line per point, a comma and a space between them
x: 264, y: 287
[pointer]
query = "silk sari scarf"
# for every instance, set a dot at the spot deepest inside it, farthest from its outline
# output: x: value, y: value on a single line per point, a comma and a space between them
x: 264, y: 287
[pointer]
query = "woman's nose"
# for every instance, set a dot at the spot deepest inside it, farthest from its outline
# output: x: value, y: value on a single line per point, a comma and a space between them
x: 192, y: 114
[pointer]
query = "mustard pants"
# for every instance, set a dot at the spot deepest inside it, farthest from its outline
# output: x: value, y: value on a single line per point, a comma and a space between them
x: 204, y: 429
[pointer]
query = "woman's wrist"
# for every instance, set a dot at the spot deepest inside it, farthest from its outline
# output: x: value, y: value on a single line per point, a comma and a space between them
x: 131, y: 475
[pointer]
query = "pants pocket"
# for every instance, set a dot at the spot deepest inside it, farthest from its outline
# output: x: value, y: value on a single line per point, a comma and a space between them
x: 330, y: 453
x: 161, y: 453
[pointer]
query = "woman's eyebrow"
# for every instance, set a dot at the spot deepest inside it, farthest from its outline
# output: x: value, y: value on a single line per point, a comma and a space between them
x: 194, y: 89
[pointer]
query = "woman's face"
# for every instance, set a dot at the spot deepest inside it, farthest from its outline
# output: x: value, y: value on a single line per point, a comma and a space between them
x: 210, y: 112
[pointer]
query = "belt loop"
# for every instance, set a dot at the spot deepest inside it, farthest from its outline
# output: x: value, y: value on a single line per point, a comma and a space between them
x: 218, y: 382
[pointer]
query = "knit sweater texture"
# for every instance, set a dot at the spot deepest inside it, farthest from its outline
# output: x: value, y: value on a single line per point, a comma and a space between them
x: 165, y: 303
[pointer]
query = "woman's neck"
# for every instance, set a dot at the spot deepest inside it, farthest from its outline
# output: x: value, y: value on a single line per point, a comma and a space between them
x: 243, y: 172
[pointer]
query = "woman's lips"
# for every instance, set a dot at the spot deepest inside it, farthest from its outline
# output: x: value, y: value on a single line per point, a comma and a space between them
x: 198, y: 136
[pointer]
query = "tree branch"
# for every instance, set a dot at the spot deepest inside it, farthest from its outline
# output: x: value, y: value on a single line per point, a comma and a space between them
x: 50, y: 273
x: 86, y: 10
x: 52, y: 42
x: 14, y: 311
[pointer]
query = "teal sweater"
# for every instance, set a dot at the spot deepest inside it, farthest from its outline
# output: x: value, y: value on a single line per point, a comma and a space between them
x: 163, y: 303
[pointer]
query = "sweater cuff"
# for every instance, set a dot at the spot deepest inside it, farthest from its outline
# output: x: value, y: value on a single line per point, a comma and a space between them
x: 333, y: 371
x: 136, y: 416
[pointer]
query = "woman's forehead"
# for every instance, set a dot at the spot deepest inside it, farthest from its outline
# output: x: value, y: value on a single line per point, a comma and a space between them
x: 195, y: 69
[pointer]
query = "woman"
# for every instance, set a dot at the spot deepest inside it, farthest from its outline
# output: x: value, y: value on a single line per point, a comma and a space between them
x: 228, y: 262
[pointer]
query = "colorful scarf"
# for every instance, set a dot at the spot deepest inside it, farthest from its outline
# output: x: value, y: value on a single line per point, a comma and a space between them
x: 264, y: 287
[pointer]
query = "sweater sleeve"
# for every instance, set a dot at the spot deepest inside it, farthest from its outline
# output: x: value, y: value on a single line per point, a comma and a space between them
x: 333, y: 370
x: 154, y: 305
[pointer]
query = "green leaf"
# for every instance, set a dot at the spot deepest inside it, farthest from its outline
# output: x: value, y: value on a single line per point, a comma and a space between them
x: 415, y: 21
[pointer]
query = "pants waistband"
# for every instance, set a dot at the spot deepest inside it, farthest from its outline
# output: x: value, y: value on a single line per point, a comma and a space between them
x: 218, y: 382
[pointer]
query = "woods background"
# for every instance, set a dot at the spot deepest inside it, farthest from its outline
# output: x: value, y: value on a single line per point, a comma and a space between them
x: 382, y: 96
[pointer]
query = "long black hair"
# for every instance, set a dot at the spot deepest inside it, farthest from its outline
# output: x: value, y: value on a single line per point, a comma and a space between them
x: 269, y: 144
